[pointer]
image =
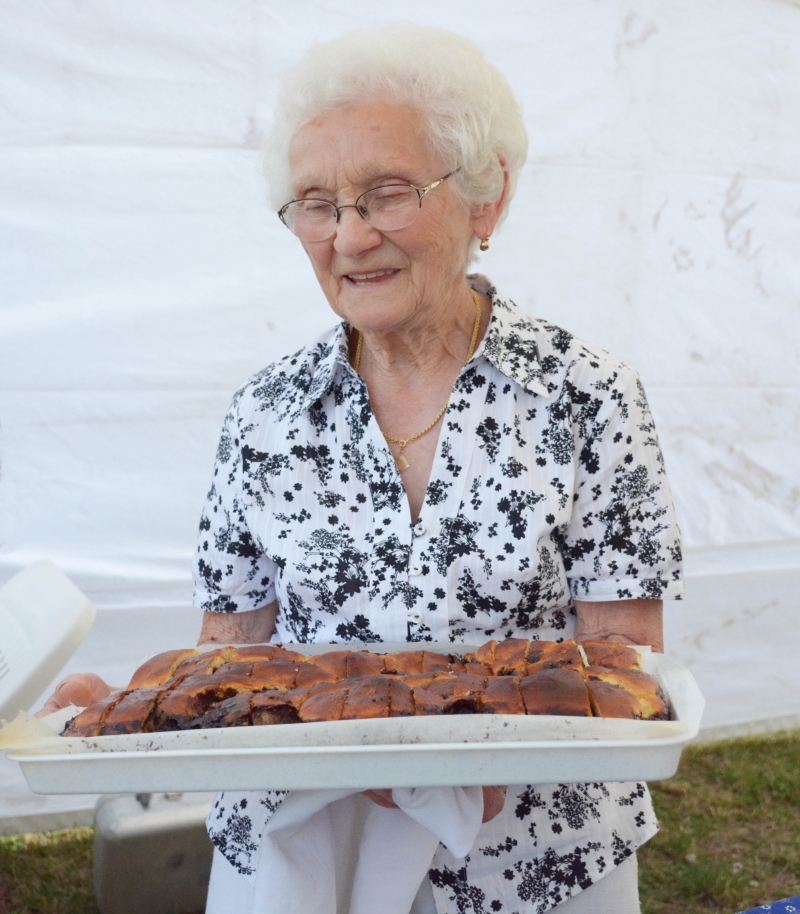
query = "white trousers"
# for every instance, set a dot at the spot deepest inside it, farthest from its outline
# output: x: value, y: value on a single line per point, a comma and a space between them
x: 616, y: 893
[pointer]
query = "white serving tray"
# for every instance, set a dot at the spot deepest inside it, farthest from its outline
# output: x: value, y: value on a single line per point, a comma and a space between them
x: 458, y: 750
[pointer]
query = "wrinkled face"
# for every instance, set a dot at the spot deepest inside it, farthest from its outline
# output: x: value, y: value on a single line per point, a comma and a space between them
x: 379, y: 281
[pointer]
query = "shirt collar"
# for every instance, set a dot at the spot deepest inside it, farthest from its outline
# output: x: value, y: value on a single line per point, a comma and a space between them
x: 509, y: 344
x: 333, y: 360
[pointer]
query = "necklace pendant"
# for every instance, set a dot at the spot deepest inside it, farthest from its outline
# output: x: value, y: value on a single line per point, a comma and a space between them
x: 402, y: 463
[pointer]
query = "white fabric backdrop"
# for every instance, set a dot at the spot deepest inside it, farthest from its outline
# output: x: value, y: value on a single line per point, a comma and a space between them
x: 143, y: 278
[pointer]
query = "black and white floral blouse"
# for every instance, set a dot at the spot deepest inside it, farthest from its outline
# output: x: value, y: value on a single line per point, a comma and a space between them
x: 547, y: 486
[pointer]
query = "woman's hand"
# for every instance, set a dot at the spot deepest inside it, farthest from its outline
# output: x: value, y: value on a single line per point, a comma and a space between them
x: 381, y: 798
x: 254, y: 627
x: 627, y: 621
x: 494, y: 799
x: 81, y: 689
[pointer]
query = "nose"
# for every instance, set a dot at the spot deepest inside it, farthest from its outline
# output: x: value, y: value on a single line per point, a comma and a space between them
x: 354, y: 234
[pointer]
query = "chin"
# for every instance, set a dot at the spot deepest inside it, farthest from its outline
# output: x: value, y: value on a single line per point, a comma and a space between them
x: 373, y: 309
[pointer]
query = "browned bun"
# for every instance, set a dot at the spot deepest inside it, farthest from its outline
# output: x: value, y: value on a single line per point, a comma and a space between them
x: 251, y: 653
x: 610, y: 654
x: 433, y: 661
x: 537, y: 648
x: 502, y: 696
x: 509, y: 657
x: 401, y: 698
x: 555, y: 656
x: 484, y: 654
x: 334, y: 662
x: 411, y: 662
x: 233, y: 712
x: 234, y: 668
x: 204, y: 663
x: 254, y: 653
x: 157, y: 670
x: 559, y: 691
x: 426, y: 703
x: 362, y: 663
x: 324, y: 702
x: 418, y: 680
x: 648, y: 692
x: 403, y: 662
x: 367, y: 698
x: 477, y: 669
x: 609, y: 700
x: 283, y: 653
x: 456, y: 685
x: 133, y: 714
x: 274, y: 674
x: 309, y: 674
x: 467, y: 703
x: 268, y: 708
x: 90, y: 721
x: 181, y: 708
x: 205, y: 688
x: 460, y: 691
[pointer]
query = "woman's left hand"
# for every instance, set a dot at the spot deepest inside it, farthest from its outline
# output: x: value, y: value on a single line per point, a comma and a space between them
x: 80, y: 689
x: 494, y: 799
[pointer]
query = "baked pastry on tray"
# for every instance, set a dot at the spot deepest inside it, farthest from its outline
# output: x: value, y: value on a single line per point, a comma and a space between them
x: 267, y: 684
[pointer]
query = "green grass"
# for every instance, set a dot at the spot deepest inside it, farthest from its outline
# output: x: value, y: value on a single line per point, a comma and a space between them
x: 730, y: 829
x: 729, y: 840
x: 47, y: 874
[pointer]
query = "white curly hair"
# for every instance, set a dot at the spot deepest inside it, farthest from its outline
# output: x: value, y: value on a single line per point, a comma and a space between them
x: 474, y: 121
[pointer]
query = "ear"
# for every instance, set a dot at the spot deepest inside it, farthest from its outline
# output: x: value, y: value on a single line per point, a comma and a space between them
x: 487, y: 214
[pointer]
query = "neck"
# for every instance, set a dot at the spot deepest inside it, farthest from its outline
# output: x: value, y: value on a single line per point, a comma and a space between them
x: 425, y: 348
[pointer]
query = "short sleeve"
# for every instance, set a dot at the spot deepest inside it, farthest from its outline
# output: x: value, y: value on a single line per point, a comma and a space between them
x: 622, y: 541
x: 231, y: 573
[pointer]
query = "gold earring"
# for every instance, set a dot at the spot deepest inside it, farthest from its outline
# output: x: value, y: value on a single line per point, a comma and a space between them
x: 485, y: 244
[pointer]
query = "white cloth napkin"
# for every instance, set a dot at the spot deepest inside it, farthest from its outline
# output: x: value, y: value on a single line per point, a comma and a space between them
x: 297, y: 863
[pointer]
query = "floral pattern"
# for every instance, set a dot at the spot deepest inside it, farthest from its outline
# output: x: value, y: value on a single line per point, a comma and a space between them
x: 548, y: 486
x: 787, y: 906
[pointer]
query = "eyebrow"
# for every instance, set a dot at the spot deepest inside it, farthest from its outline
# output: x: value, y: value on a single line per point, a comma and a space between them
x: 370, y: 179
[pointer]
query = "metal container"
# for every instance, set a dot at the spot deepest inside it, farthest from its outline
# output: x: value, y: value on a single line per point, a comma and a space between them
x: 152, y: 853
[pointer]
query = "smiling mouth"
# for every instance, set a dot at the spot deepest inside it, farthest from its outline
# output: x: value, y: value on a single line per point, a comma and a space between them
x: 366, y: 279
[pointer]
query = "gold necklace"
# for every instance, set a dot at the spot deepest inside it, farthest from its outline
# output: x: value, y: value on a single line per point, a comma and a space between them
x: 402, y: 463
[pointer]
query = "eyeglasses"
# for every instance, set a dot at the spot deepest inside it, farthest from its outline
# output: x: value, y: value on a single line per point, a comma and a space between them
x: 386, y: 208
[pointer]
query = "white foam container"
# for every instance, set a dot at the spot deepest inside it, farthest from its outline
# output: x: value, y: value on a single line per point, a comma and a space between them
x: 43, y: 620
x: 458, y: 750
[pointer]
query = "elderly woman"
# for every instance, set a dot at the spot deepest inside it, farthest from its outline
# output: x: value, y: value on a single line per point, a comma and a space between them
x: 439, y: 465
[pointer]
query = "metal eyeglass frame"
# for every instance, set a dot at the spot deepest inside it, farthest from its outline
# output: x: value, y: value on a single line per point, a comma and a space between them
x: 421, y: 192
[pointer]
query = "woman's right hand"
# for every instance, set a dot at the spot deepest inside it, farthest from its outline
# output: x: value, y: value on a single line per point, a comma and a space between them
x: 81, y: 689
x: 494, y: 799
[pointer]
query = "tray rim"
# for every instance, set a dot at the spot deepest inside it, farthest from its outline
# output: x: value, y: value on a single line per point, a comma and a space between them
x: 400, y: 748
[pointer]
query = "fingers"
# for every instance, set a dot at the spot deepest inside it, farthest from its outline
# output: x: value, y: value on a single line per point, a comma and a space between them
x: 381, y: 798
x: 494, y: 799
x: 49, y: 707
x: 80, y: 689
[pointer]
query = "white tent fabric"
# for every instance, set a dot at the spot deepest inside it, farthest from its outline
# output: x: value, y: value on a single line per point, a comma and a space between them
x: 143, y: 278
